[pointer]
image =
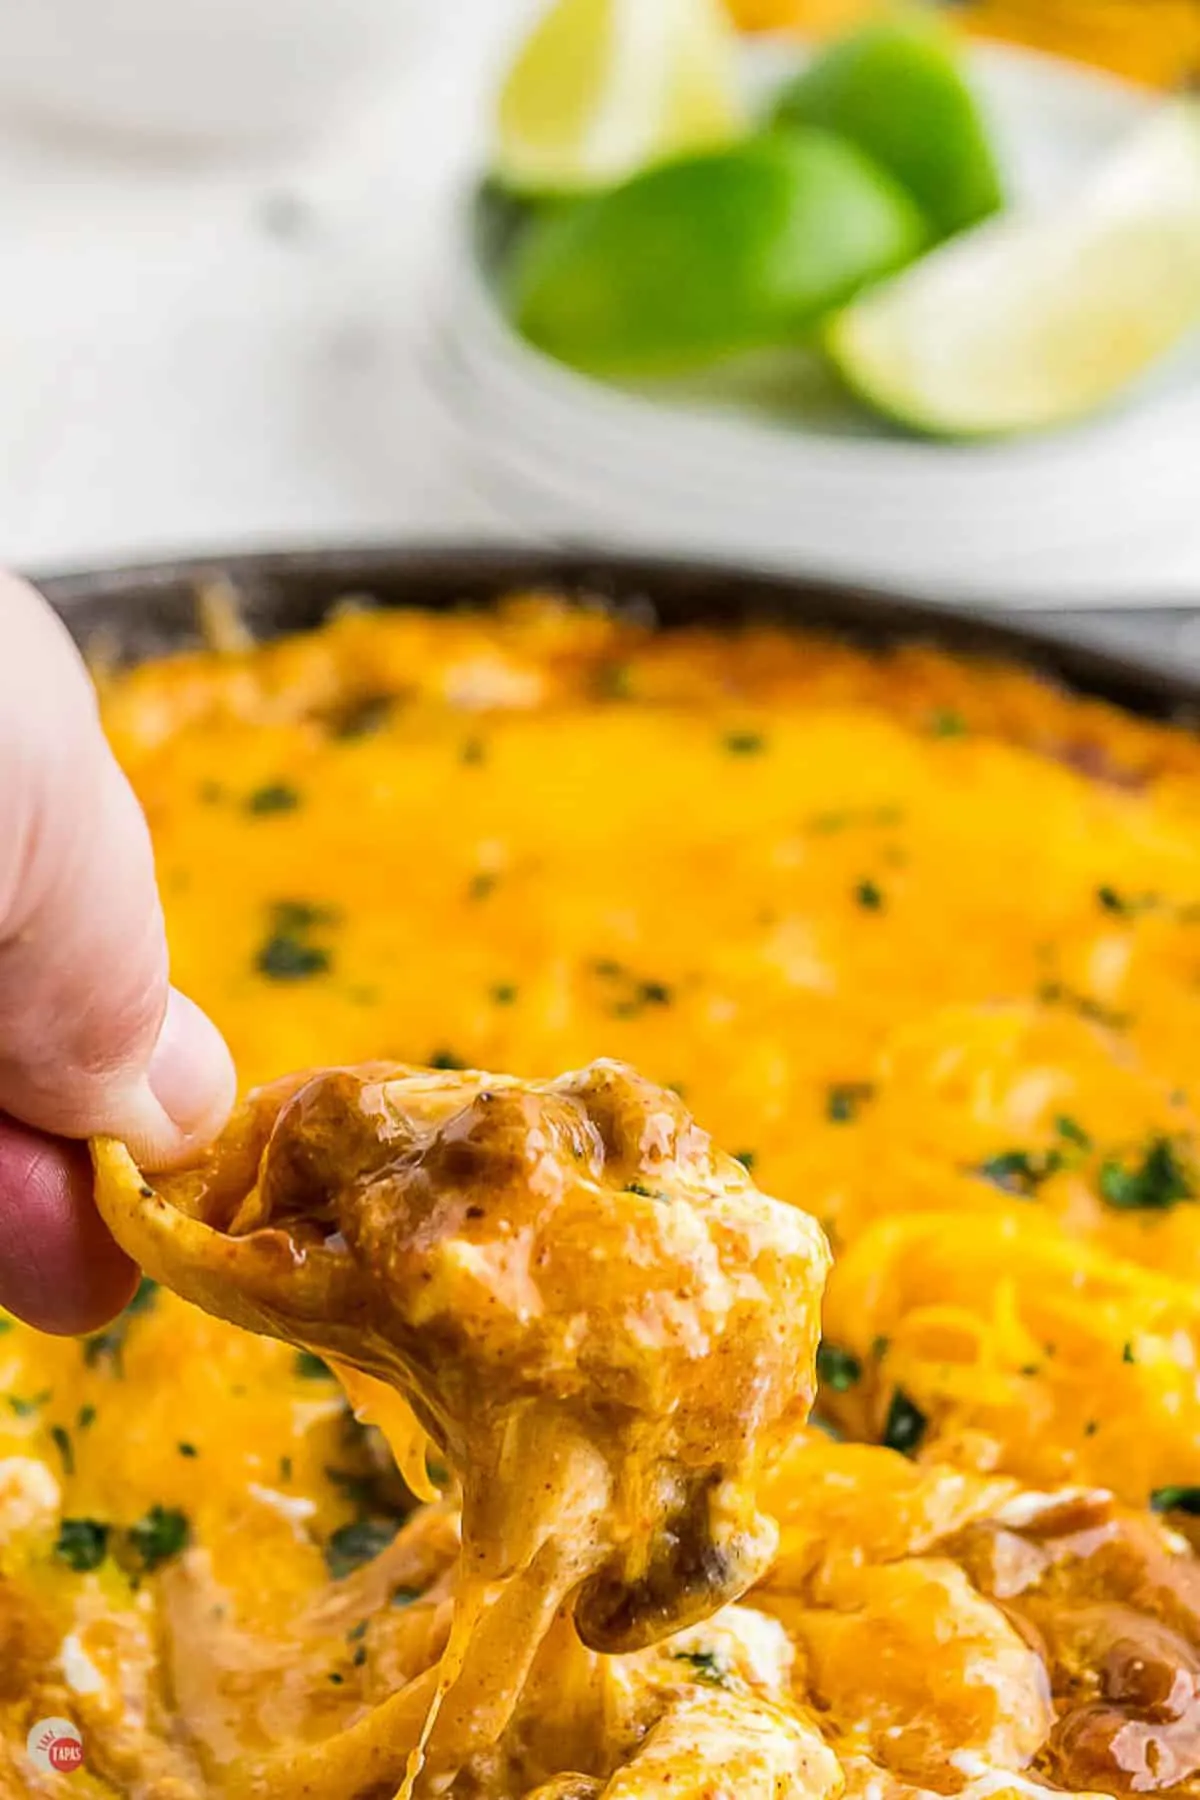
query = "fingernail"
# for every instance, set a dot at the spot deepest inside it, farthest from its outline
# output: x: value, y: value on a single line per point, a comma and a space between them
x: 191, y: 1073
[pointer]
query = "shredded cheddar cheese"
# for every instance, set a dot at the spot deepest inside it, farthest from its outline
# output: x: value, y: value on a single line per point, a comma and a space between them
x: 919, y: 940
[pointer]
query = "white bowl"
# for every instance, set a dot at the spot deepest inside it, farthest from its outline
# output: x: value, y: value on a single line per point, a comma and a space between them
x: 1075, y: 518
x: 207, y: 73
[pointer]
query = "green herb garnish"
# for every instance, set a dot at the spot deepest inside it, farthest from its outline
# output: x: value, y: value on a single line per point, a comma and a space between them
x: 82, y: 1544
x: 837, y: 1368
x: 745, y: 743
x: 1176, y: 1499
x: 357, y: 1543
x: 1125, y: 906
x: 844, y: 1098
x: 945, y: 723
x: 705, y: 1664
x: 446, y: 1059
x: 1020, y: 1171
x: 285, y: 957
x: 869, y: 896
x: 906, y: 1425
x: 25, y: 1408
x: 1155, y: 1184
x: 311, y: 1367
x: 61, y: 1439
x: 275, y: 797
x: 1072, y: 1132
x: 162, y: 1534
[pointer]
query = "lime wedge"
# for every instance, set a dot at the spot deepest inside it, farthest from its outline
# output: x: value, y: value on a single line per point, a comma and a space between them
x: 898, y: 90
x: 710, y: 255
x: 605, y: 87
x: 1031, y: 321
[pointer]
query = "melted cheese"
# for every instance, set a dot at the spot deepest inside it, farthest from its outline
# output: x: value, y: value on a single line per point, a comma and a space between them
x: 885, y: 920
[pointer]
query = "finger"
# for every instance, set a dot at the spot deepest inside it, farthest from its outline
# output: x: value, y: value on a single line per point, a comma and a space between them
x: 92, y: 1041
x: 59, y: 1268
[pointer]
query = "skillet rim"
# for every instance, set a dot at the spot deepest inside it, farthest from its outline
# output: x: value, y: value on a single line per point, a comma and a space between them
x: 148, y: 608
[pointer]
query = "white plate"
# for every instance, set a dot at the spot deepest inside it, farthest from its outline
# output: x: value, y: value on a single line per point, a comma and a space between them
x: 1106, y: 513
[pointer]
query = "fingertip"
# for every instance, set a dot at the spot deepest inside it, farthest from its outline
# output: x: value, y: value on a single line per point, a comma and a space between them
x: 189, y: 1089
x: 60, y: 1270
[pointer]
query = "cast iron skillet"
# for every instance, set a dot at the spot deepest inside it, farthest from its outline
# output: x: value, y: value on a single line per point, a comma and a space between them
x: 152, y: 609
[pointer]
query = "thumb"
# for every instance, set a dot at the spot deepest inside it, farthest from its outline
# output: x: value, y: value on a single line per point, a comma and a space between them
x: 91, y: 1038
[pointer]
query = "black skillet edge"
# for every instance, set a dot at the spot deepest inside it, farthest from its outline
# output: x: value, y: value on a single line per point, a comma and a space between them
x: 150, y: 610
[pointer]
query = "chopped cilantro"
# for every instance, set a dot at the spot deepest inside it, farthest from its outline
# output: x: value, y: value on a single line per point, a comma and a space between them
x: 880, y: 1347
x: 357, y: 1632
x: 24, y: 1408
x: 275, y: 797
x: 869, y: 896
x: 1176, y: 1499
x: 87, y: 1417
x: 1155, y: 1184
x: 654, y: 993
x: 357, y: 1543
x: 1127, y: 1355
x: 360, y: 1656
x: 481, y: 885
x: 705, y: 1664
x: 303, y: 915
x: 843, y: 1099
x: 906, y: 1424
x: 945, y: 723
x: 143, y: 1300
x: 160, y: 1535
x: 745, y: 743
x: 288, y: 953
x: 473, y: 752
x: 446, y: 1059
x: 1020, y: 1171
x: 6, y: 1324
x: 837, y: 1368
x: 82, y: 1544
x: 61, y: 1439
x: 643, y: 1192
x: 1125, y: 906
x: 405, y: 1596
x: 186, y: 1449
x: 1072, y: 1132
x: 312, y: 1367
x: 1091, y: 1428
x: 504, y: 993
x: 286, y: 957
x: 746, y: 1158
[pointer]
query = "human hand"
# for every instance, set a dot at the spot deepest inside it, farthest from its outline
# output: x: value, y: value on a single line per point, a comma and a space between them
x: 92, y: 1039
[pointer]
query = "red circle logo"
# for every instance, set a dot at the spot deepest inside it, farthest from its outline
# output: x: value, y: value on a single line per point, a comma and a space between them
x: 55, y: 1746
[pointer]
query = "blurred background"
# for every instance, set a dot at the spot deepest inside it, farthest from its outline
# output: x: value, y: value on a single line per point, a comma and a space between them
x: 909, y: 295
